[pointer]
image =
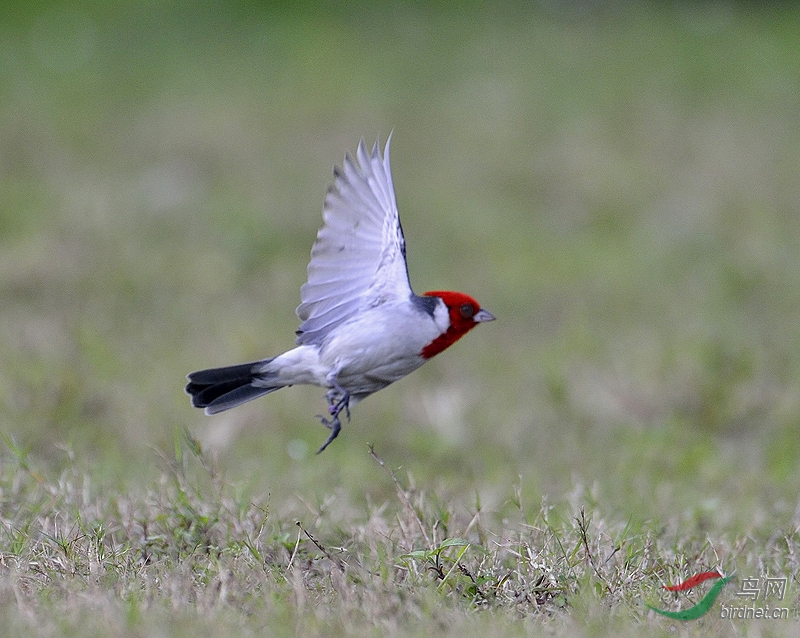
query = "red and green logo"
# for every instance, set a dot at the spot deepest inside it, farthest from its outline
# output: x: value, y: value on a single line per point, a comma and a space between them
x: 704, y: 605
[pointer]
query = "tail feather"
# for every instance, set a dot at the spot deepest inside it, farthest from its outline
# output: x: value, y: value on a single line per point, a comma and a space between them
x: 219, y: 389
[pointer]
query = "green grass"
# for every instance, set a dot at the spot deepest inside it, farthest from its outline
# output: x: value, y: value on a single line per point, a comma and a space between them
x: 617, y: 184
x: 191, y: 553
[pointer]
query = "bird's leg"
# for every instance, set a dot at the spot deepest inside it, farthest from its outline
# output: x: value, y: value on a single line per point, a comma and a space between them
x: 335, y: 407
x: 338, y: 400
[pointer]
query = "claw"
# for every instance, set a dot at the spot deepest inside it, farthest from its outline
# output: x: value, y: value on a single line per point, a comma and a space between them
x: 341, y: 404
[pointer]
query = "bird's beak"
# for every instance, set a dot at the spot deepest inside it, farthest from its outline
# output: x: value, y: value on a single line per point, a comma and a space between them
x: 482, y: 315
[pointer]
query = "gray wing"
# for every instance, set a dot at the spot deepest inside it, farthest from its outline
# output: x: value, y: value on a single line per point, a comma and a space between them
x: 359, y: 257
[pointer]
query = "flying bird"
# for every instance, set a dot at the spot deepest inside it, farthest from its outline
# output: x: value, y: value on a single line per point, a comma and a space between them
x: 362, y: 327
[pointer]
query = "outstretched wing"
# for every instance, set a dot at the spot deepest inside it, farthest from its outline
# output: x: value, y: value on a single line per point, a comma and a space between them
x: 359, y: 257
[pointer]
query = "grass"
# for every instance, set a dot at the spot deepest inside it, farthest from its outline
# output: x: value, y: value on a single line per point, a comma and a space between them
x: 616, y: 182
x: 191, y: 553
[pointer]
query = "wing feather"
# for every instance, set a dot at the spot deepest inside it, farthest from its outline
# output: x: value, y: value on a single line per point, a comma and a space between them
x: 358, y: 259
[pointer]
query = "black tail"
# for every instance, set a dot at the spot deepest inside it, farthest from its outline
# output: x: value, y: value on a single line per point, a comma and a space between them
x: 219, y: 389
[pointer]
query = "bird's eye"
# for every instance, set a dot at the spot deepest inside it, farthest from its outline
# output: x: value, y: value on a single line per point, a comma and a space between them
x: 467, y: 310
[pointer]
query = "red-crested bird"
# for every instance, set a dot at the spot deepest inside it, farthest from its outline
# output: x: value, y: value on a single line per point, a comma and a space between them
x: 362, y: 327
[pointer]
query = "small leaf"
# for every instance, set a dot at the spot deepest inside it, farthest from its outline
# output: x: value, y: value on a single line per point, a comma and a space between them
x: 453, y: 542
x: 424, y: 554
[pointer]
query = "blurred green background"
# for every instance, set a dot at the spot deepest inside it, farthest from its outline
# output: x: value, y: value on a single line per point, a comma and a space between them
x: 616, y: 181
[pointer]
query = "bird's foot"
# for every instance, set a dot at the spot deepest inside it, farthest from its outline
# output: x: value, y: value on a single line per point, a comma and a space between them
x: 342, y: 404
x: 335, y: 426
x: 338, y: 400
